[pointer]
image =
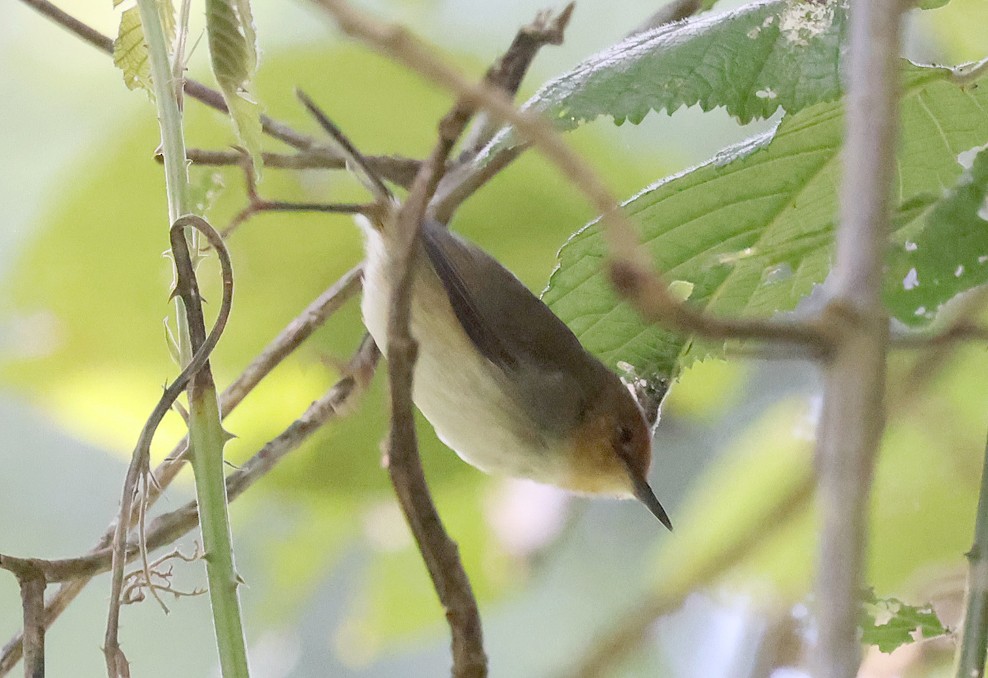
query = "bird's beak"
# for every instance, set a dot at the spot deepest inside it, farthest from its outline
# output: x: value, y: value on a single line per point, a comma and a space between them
x: 645, y: 495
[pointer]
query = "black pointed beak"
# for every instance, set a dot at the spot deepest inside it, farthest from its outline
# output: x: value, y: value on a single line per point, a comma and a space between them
x: 645, y: 495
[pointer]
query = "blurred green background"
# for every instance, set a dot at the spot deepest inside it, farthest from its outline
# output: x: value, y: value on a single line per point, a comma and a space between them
x: 335, y: 586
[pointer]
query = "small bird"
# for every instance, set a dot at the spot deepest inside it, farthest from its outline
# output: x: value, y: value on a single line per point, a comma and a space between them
x: 503, y: 381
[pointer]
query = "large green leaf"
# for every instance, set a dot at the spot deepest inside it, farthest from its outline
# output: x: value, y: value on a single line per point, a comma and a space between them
x: 752, y: 61
x: 751, y: 230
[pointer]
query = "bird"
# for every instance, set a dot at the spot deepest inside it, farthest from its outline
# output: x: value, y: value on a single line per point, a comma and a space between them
x: 503, y: 381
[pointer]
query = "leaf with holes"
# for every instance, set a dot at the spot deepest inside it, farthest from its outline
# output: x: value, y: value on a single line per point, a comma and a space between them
x: 751, y: 61
x: 947, y: 253
x: 130, y: 51
x: 890, y: 623
x: 752, y: 229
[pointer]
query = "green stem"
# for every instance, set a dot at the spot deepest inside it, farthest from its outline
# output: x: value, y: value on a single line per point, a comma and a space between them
x: 974, y: 639
x: 206, y: 434
x: 221, y: 571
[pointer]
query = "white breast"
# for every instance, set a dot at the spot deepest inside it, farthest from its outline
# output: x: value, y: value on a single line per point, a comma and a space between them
x: 456, y: 388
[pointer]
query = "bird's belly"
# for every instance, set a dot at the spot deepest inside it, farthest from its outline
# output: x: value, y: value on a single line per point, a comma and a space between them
x: 459, y: 391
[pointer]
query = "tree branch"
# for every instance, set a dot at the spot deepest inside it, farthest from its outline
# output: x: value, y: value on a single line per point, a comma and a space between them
x: 629, y: 265
x: 297, y: 331
x: 509, y: 70
x: 394, y: 168
x: 853, y: 417
x: 467, y: 176
x: 32, y: 583
x: 439, y: 552
x: 168, y: 527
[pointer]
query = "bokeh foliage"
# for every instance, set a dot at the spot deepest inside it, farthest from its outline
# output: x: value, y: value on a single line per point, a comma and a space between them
x: 95, y: 270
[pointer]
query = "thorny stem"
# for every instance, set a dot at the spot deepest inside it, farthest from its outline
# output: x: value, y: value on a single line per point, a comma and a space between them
x: 166, y: 528
x: 31, y: 579
x: 139, y: 459
x: 970, y: 661
x: 282, y: 346
x: 394, y: 168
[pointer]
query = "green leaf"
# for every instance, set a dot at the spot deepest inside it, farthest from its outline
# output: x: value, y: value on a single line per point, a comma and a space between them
x: 169, y: 22
x: 931, y: 4
x: 752, y: 61
x: 899, y: 622
x: 130, y: 52
x: 233, y: 50
x: 949, y: 253
x: 752, y: 229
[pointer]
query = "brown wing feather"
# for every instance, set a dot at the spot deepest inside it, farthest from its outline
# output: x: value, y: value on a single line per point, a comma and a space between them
x: 510, y: 326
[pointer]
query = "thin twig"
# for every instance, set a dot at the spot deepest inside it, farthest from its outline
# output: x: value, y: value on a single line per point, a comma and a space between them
x: 466, y: 179
x: 138, y: 468
x: 395, y: 169
x: 31, y: 579
x: 853, y: 416
x: 970, y: 662
x: 168, y: 527
x: 292, y: 336
x: 439, y: 552
x: 956, y: 324
x: 629, y: 266
x: 468, y: 175
x: 507, y: 73
x: 257, y: 205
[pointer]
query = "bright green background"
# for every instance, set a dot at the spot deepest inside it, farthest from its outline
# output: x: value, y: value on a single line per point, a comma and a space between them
x: 335, y: 587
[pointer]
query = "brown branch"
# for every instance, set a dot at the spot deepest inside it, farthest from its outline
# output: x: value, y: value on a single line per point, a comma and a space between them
x: 297, y: 331
x: 32, y: 582
x: 853, y: 417
x: 507, y: 73
x: 629, y: 265
x: 466, y: 179
x: 468, y: 175
x: 170, y: 526
x: 256, y: 204
x: 393, y: 168
x: 956, y: 324
x: 401, y: 230
x: 959, y: 332
x: 439, y: 551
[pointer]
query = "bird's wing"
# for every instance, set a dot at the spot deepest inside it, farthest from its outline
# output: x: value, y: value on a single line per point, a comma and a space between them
x: 508, y: 324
